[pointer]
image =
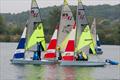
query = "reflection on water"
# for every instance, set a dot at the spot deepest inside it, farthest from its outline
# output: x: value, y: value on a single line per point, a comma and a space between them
x: 34, y: 72
x: 50, y: 72
x: 69, y: 73
x: 84, y: 73
x: 56, y: 72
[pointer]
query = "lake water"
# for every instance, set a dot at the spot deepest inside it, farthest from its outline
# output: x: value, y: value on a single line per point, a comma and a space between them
x: 56, y: 72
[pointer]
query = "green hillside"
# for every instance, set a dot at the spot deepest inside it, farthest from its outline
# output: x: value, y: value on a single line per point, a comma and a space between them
x: 108, y: 22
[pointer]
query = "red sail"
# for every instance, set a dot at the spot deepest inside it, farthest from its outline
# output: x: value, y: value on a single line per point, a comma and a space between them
x: 69, y: 51
x: 51, y: 50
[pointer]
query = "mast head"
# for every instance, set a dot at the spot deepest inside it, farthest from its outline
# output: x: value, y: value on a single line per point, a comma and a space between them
x: 65, y: 2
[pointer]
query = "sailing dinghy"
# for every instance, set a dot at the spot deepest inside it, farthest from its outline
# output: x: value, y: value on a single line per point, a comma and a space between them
x: 82, y: 43
x: 36, y: 38
x: 85, y: 40
x: 97, y: 45
x: 34, y: 43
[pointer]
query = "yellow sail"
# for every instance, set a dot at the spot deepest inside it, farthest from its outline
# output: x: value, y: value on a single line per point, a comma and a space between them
x: 85, y: 38
x: 65, y: 2
x: 37, y: 36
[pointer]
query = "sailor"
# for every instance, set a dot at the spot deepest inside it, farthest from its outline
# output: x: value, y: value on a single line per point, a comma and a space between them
x: 39, y: 50
x: 59, y: 54
x: 35, y: 56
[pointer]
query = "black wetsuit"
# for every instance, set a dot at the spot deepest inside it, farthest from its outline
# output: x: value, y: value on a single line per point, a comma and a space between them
x: 39, y: 51
x: 60, y: 56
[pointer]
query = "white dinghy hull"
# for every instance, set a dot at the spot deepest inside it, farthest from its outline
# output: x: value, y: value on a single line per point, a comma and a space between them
x: 83, y: 63
x: 33, y: 62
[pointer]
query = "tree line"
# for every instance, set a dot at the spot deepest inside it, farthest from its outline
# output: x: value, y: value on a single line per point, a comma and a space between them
x: 108, y: 22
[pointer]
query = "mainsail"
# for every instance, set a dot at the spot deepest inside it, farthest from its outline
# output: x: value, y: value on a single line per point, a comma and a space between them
x: 66, y: 24
x: 34, y: 20
x: 20, y: 51
x: 51, y: 50
x: 68, y: 55
x: 81, y: 20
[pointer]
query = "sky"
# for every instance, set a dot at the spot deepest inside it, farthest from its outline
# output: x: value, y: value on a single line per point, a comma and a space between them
x: 17, y: 6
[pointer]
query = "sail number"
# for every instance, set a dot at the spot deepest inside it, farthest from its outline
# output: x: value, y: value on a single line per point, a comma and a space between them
x: 80, y: 15
x: 66, y: 16
x: 34, y: 12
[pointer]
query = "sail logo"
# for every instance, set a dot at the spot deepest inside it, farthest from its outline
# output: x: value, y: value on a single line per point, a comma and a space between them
x: 66, y: 16
x: 80, y: 15
x: 34, y: 12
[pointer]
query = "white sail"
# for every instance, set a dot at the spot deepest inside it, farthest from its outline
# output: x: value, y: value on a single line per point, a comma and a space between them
x: 81, y: 20
x: 68, y: 55
x: 33, y: 21
x: 66, y: 23
x: 93, y: 31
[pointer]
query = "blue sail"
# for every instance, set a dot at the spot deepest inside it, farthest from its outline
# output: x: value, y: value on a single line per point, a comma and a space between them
x: 19, y: 53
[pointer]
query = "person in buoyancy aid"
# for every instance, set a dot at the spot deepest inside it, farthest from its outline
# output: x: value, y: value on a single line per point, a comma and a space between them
x: 81, y: 56
x: 35, y: 56
x: 59, y: 54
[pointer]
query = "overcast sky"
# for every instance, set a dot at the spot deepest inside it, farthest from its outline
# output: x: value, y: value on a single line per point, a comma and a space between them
x: 17, y: 6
